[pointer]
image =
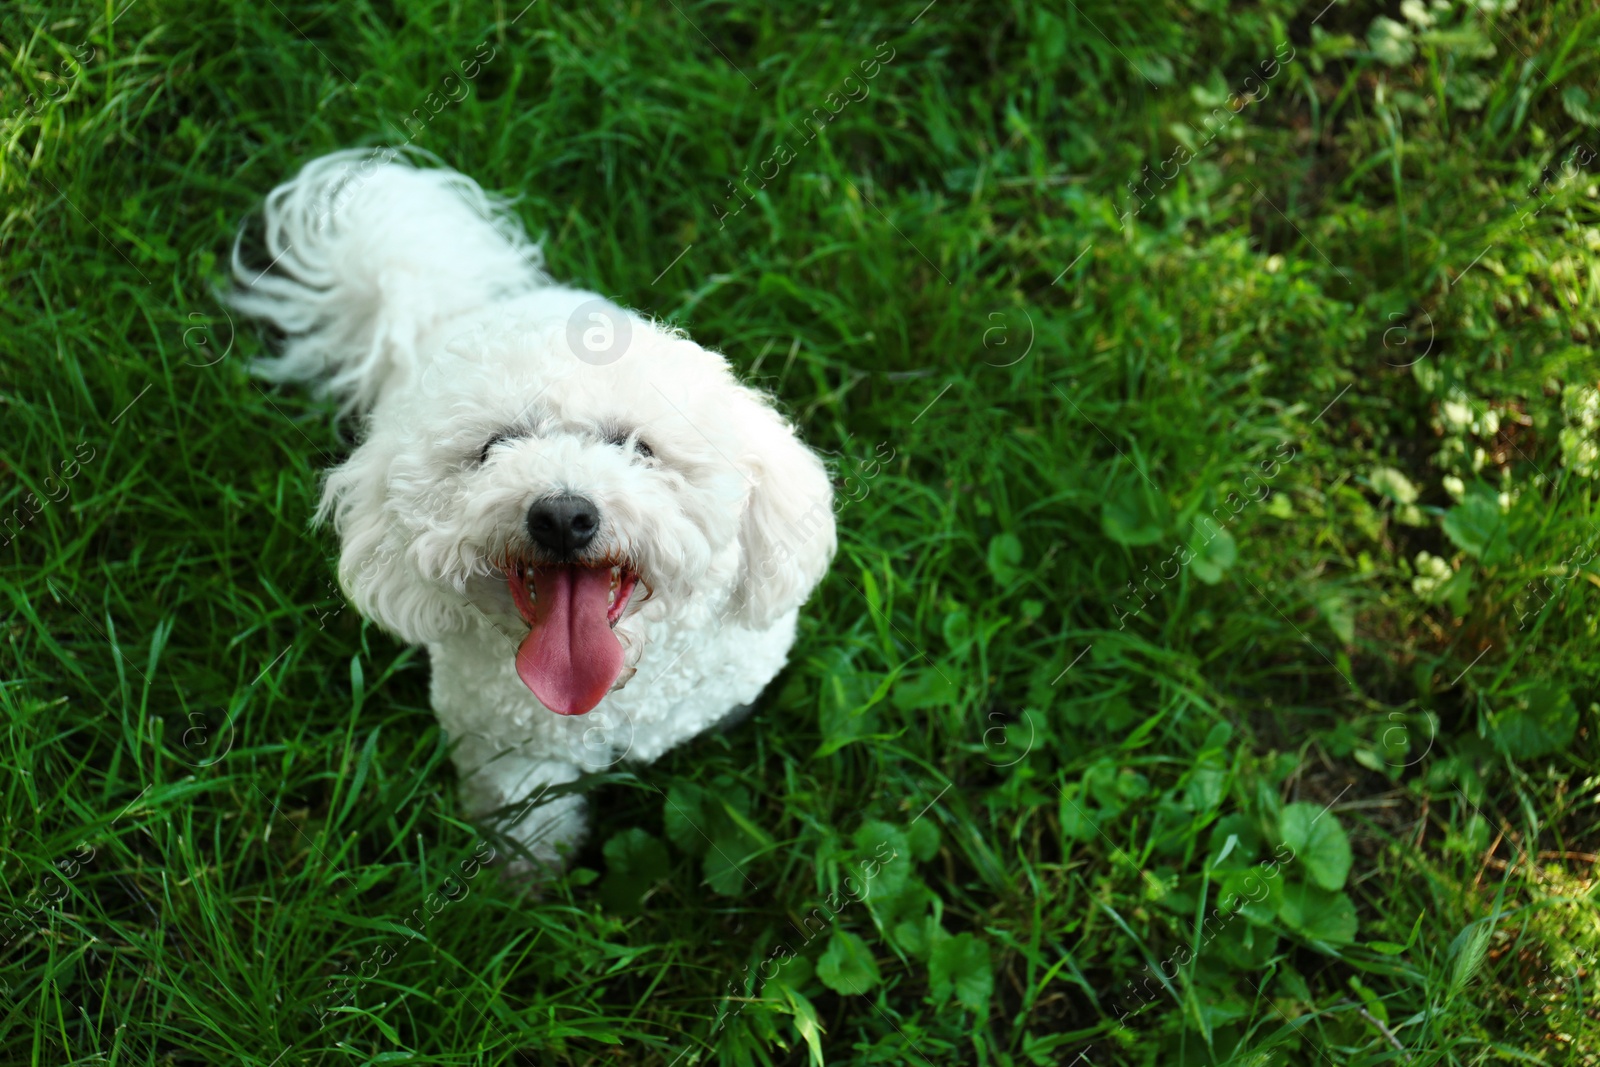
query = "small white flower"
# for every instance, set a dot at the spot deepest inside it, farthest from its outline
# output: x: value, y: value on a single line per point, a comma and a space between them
x: 1581, y: 404
x: 1580, y: 449
x: 1455, y: 486
x: 1394, y: 485
x: 1390, y: 41
x: 1416, y: 13
x: 1580, y: 453
x: 1432, y: 572
x: 1457, y: 414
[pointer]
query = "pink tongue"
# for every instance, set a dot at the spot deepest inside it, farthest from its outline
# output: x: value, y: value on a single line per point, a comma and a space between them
x: 570, y: 659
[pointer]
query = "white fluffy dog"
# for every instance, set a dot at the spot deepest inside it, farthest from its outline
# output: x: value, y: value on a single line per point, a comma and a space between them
x: 602, y: 538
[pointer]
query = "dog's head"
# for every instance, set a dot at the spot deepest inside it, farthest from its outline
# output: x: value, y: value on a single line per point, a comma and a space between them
x: 577, y: 505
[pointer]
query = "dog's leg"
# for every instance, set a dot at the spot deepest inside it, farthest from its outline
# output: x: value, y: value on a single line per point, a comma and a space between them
x: 514, y: 794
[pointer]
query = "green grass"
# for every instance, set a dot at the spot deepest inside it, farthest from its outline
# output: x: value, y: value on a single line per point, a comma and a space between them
x: 1317, y: 788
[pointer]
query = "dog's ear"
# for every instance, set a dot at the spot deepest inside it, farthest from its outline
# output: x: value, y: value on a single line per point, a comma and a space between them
x: 787, y: 531
x: 378, y: 569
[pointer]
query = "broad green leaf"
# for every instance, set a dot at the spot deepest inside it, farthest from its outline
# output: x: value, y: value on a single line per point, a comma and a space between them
x: 1339, y: 615
x: 957, y: 629
x: 1575, y: 101
x: 1369, y: 1000
x: 1477, y: 526
x: 917, y: 936
x: 1204, y: 791
x: 884, y: 860
x: 1077, y: 821
x: 960, y: 965
x: 1005, y: 557
x: 687, y: 815
x: 1539, y: 721
x: 1318, y: 914
x: 1217, y: 738
x: 1129, y: 516
x: 635, y: 852
x: 847, y: 966
x: 795, y: 972
x: 1213, y: 554
x: 1242, y: 945
x: 1254, y: 892
x: 635, y: 862
x: 1156, y: 69
x: 1319, y: 843
x: 1246, y: 841
x: 924, y: 839
x: 725, y: 863
x: 695, y: 815
x: 924, y: 689
x: 846, y: 715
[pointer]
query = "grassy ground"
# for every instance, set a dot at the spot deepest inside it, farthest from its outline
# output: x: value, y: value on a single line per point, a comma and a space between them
x: 1207, y: 674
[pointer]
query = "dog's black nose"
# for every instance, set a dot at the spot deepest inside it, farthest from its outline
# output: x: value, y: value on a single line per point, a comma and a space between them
x: 562, y: 525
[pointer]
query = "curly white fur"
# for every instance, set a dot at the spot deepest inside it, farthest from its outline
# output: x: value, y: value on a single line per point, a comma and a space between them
x: 417, y: 301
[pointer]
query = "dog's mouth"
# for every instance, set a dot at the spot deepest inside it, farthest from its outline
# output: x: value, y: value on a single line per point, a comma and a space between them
x: 571, y: 657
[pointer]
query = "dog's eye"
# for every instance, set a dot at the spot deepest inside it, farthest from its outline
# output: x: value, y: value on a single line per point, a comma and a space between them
x: 483, y: 453
x: 621, y: 440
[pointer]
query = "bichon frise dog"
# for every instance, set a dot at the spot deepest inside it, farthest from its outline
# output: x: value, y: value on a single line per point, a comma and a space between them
x: 602, y: 538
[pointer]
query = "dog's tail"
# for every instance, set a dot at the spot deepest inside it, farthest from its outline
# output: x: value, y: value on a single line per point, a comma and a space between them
x: 367, y: 253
